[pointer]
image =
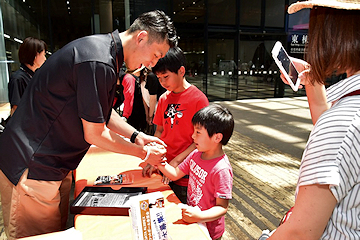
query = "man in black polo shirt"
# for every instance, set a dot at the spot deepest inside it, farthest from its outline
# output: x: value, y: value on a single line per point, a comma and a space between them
x: 68, y: 107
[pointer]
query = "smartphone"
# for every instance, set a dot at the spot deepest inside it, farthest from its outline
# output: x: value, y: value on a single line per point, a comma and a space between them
x: 286, y: 65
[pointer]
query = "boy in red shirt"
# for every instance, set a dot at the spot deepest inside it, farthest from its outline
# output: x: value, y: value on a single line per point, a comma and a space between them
x: 174, y: 112
x: 209, y: 170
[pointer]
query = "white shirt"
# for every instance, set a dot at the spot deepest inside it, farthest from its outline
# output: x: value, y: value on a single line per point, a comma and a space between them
x: 332, y: 156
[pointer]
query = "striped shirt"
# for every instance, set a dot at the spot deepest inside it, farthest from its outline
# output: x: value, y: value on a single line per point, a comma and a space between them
x: 332, y: 156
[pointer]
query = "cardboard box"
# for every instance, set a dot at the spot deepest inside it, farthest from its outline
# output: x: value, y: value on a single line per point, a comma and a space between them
x: 105, y: 200
x: 147, y: 214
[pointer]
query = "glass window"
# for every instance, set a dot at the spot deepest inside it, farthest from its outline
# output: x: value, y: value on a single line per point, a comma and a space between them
x: 257, y: 72
x: 274, y: 13
x: 4, y: 77
x: 221, y: 82
x: 222, y: 12
x: 192, y: 43
x: 299, y: 20
x: 250, y: 13
x: 189, y: 11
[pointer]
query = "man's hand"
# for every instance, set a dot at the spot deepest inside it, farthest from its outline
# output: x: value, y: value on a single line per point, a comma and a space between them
x: 143, y: 139
x: 156, y: 153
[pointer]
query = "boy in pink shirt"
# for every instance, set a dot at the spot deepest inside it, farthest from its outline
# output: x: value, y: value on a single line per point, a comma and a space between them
x: 209, y: 170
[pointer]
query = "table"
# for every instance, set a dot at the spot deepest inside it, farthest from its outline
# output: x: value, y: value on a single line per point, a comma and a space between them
x: 100, y: 162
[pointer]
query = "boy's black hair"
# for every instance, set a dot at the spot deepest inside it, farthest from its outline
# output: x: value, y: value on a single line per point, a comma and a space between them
x: 172, y: 61
x: 215, y: 119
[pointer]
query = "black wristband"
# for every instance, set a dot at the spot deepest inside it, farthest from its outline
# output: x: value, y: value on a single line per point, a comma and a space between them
x: 134, y: 135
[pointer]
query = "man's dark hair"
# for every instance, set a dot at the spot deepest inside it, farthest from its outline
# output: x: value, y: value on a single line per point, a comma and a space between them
x: 29, y: 49
x: 158, y: 25
x: 172, y: 61
x: 215, y: 119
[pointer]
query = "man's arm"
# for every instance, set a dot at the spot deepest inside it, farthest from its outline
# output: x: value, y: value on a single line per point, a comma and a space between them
x: 119, y: 126
x: 100, y: 135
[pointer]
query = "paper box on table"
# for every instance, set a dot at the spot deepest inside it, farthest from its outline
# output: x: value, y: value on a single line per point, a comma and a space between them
x: 147, y: 214
x: 105, y: 200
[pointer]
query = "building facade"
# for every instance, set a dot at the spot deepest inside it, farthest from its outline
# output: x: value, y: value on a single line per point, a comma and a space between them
x: 227, y: 42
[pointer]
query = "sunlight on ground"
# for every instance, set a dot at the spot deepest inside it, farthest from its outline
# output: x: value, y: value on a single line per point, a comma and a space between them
x: 272, y: 174
x: 274, y: 133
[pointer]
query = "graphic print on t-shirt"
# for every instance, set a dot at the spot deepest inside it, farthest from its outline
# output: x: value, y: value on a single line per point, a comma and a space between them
x: 173, y: 111
x: 196, y: 183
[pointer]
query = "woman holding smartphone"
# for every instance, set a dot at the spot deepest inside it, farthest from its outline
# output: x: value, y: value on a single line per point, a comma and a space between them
x: 327, y: 194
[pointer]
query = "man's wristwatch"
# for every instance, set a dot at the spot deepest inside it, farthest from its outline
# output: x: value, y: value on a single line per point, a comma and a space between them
x: 134, y: 135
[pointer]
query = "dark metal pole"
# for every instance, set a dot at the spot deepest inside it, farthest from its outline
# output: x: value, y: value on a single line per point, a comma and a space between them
x: 50, y: 27
x: 237, y: 47
x: 206, y: 47
x: 93, y: 16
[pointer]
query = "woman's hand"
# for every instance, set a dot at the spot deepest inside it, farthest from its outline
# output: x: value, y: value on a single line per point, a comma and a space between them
x: 303, y: 68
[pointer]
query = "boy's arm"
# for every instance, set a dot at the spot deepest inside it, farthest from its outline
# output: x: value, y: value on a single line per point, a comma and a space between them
x: 179, y: 159
x: 159, y: 130
x: 174, y: 173
x: 194, y: 214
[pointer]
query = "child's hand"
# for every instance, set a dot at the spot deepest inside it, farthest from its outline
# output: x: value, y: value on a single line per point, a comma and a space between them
x: 148, y: 170
x: 191, y: 214
x: 165, y: 180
